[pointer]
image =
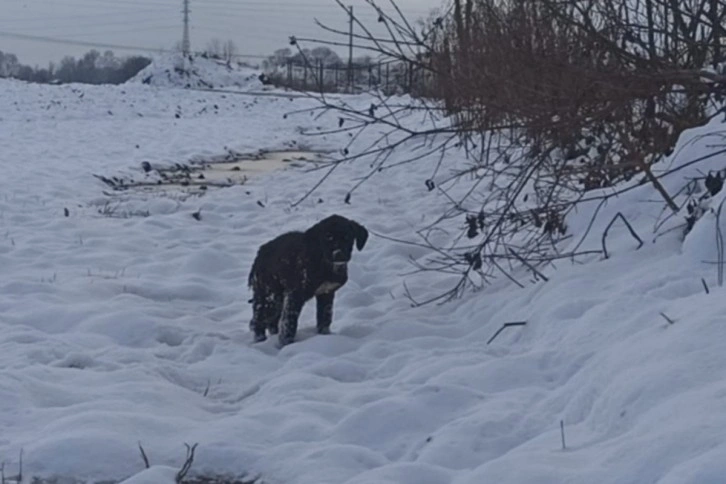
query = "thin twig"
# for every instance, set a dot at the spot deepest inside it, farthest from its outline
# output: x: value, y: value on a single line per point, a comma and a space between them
x: 630, y: 228
x: 144, y: 456
x: 529, y: 266
x: 187, y: 463
x: 206, y: 390
x: 670, y: 321
x: 505, y: 326
x: 719, y: 244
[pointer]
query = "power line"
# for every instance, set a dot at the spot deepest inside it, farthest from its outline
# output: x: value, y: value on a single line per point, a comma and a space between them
x: 118, y: 10
x: 55, y: 30
x: 102, y: 45
x: 117, y: 4
x: 231, y: 13
x: 114, y: 8
x: 106, y: 15
x: 55, y: 40
x: 325, y: 4
x: 131, y: 30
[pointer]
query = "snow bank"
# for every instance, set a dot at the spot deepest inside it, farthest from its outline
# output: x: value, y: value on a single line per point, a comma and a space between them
x: 197, y: 72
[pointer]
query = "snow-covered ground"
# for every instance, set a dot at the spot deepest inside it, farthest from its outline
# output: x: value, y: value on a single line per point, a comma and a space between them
x: 122, y: 329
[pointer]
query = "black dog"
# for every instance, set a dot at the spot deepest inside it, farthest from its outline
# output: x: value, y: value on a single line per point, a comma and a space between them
x: 292, y: 268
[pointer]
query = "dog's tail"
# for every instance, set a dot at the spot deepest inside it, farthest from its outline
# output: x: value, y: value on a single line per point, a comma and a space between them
x: 252, y: 277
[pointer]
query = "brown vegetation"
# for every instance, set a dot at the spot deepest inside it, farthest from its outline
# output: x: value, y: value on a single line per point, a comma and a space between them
x: 555, y: 102
x: 627, y: 77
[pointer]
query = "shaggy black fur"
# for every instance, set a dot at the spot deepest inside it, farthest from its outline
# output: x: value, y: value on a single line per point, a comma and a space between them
x: 292, y: 268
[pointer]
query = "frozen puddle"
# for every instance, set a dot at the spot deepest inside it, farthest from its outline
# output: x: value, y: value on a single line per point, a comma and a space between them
x: 199, y: 175
x: 239, y: 170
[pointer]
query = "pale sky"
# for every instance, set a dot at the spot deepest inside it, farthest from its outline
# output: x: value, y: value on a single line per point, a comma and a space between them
x: 257, y: 27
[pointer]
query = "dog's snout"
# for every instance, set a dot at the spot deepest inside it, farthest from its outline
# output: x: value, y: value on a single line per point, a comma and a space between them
x: 340, y: 256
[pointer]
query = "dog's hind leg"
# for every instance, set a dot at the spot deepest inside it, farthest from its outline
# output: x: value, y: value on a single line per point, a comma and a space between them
x: 291, y: 308
x: 324, y: 311
x: 266, y: 311
x: 273, y: 323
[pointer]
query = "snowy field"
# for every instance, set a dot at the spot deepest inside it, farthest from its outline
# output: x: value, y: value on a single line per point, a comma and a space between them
x: 118, y: 328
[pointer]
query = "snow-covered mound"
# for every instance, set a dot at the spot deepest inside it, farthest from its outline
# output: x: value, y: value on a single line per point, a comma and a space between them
x: 123, y: 318
x: 197, y: 72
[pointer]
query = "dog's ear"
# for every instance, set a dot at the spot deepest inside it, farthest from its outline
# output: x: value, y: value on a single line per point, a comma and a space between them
x: 360, y: 234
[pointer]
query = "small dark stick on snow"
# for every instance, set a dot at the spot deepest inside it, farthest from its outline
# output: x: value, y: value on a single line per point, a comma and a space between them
x: 187, y: 463
x: 209, y: 384
x: 144, y: 456
x: 705, y: 286
x: 670, y: 321
x: 504, y: 326
x: 562, y: 432
x: 627, y: 224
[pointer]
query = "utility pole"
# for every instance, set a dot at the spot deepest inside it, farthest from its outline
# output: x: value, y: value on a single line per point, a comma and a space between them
x: 186, y: 44
x: 717, y: 32
x: 350, y: 51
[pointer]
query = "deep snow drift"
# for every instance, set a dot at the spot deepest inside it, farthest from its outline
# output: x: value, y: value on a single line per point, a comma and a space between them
x: 118, y: 328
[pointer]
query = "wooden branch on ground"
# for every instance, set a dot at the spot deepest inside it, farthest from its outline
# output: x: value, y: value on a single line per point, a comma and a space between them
x: 630, y: 228
x: 505, y: 326
x: 187, y: 463
x: 144, y: 456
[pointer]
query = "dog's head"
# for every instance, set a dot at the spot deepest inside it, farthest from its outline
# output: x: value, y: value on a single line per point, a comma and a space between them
x: 335, y: 236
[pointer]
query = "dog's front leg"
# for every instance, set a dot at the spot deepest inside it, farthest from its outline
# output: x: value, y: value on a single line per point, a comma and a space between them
x: 291, y: 308
x: 325, y: 311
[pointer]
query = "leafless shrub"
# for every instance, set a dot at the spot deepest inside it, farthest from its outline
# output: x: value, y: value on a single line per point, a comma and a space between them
x: 551, y: 101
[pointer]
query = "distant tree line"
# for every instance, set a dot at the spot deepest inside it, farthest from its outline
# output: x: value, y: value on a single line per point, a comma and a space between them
x: 217, y: 49
x: 324, y: 55
x: 93, y: 68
